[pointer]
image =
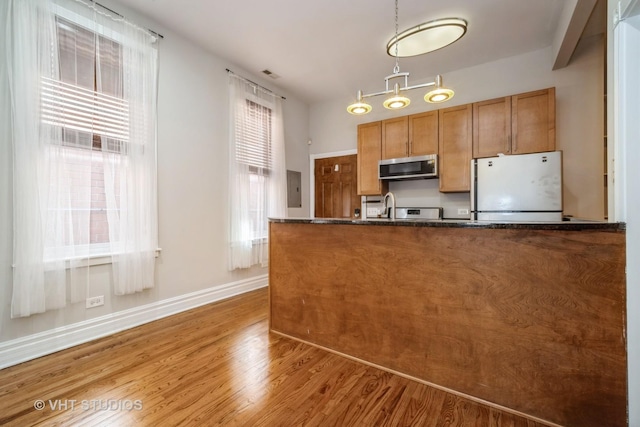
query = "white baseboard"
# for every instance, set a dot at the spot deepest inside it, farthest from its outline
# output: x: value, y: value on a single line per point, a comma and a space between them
x: 43, y: 343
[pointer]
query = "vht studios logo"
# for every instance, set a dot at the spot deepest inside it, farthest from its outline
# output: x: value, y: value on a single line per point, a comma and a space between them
x: 89, y: 405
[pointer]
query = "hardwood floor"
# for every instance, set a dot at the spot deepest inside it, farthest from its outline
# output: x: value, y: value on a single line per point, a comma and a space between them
x: 219, y: 365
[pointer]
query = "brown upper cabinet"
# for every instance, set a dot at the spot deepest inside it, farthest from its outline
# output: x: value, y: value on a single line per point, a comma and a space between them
x: 395, y: 137
x: 413, y: 135
x: 518, y: 124
x: 423, y: 133
x: 369, y: 154
x: 455, y: 148
x: 492, y: 127
x: 533, y: 121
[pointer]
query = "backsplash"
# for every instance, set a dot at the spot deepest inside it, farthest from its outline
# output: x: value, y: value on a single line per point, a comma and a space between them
x: 424, y: 193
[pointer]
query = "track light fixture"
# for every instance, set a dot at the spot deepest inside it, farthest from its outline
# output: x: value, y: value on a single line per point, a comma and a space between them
x: 397, y: 100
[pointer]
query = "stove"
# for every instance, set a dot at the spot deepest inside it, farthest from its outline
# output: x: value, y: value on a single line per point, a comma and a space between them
x: 419, y: 213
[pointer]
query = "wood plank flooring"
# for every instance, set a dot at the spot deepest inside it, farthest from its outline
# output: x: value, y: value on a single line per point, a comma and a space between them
x: 219, y: 365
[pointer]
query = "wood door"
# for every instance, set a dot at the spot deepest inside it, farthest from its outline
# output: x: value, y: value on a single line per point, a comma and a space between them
x: 336, y: 187
x: 492, y: 127
x: 423, y: 133
x: 533, y: 119
x: 395, y: 137
x: 369, y: 152
x: 455, y: 147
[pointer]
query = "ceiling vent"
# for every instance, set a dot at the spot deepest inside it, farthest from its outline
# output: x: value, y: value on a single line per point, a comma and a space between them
x: 270, y: 74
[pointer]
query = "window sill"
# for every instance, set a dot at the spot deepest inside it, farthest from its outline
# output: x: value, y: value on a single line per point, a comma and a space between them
x: 259, y: 241
x: 91, y: 260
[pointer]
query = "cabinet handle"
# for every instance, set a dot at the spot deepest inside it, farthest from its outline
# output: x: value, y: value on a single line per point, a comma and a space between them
x: 508, y: 147
x: 410, y: 144
x: 515, y: 143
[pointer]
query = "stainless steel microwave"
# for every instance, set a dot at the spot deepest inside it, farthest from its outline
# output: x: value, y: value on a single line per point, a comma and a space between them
x: 418, y: 167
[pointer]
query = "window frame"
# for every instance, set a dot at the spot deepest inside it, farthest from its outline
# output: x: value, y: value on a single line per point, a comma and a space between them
x: 261, y: 172
x: 87, y: 254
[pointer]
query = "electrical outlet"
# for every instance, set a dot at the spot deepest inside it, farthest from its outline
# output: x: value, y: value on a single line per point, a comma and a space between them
x: 372, y: 212
x: 463, y: 211
x: 95, y: 301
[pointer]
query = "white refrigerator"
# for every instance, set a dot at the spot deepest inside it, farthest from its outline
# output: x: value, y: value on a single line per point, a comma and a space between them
x: 521, y: 187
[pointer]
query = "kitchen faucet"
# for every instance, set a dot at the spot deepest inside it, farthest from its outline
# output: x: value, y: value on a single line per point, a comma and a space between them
x: 389, y: 211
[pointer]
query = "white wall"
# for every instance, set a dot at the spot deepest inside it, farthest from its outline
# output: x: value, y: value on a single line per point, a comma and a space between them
x: 192, y: 187
x: 624, y: 67
x: 579, y: 119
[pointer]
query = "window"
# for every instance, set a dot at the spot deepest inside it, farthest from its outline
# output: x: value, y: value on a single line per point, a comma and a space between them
x: 84, y: 149
x: 87, y: 108
x: 254, y: 151
x: 257, y: 173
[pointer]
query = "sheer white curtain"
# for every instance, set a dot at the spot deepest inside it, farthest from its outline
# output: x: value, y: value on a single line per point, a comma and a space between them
x: 130, y: 176
x: 82, y: 89
x: 29, y: 56
x: 257, y: 172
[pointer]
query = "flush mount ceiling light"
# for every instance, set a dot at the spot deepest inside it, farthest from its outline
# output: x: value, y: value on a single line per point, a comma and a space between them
x: 397, y: 99
x: 427, y: 37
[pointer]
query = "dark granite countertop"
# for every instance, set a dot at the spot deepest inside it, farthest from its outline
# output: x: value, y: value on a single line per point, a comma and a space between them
x: 463, y: 223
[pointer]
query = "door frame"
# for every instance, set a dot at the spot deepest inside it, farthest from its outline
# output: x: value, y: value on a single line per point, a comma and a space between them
x: 312, y: 175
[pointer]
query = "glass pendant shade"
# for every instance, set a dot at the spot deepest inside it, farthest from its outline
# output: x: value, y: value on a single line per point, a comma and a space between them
x: 359, y: 107
x: 438, y: 95
x: 396, y: 101
x: 427, y: 37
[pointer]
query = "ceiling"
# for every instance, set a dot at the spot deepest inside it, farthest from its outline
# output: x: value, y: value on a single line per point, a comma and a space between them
x: 327, y: 49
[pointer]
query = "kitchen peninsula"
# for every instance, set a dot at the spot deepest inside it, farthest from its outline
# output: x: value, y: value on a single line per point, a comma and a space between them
x: 527, y: 316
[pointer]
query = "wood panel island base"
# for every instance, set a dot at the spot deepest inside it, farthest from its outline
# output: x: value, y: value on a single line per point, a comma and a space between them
x: 529, y: 317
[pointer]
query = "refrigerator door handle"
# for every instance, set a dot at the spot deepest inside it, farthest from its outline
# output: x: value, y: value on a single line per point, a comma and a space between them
x: 474, y: 188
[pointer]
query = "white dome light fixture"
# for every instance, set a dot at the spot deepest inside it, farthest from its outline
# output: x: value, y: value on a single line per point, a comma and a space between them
x: 427, y: 37
x: 398, y: 100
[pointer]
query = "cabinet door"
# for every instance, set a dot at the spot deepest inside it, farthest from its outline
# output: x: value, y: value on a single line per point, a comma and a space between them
x: 492, y: 127
x: 533, y: 121
x: 369, y: 151
x: 423, y: 133
x: 395, y: 138
x: 455, y: 148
